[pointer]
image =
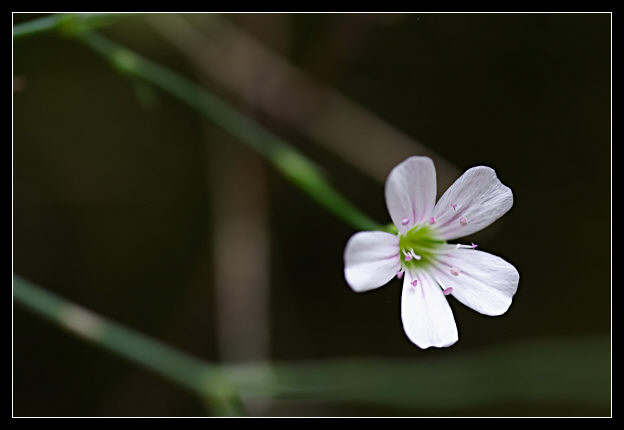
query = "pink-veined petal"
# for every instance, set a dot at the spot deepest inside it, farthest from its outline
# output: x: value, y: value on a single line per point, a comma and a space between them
x: 426, y: 314
x: 371, y: 259
x: 411, y: 192
x: 474, y: 201
x: 484, y: 282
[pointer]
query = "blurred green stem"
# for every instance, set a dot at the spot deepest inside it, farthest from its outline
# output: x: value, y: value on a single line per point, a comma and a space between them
x: 298, y: 169
x: 206, y: 380
x: 65, y: 23
x: 288, y: 161
x: 573, y: 371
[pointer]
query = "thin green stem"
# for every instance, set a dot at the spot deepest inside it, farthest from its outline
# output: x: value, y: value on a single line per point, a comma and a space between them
x: 302, y: 172
x: 36, y: 26
x: 298, y: 169
x: 200, y: 377
x: 68, y: 23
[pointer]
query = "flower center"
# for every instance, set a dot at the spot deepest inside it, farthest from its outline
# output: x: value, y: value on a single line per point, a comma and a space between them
x: 419, y: 246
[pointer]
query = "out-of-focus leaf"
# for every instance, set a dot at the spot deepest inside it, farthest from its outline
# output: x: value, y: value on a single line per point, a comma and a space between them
x: 572, y: 371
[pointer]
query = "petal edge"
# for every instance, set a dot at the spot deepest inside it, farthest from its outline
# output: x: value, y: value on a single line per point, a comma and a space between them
x: 371, y: 259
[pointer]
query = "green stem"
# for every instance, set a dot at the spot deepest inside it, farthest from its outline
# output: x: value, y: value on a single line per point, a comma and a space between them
x: 289, y: 162
x: 68, y: 23
x: 197, y: 376
x: 36, y: 26
x: 286, y: 160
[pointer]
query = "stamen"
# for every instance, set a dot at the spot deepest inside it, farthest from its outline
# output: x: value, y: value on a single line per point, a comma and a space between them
x: 432, y: 220
x: 473, y: 245
x: 454, y: 206
x: 413, y: 254
x: 454, y: 271
x: 400, y: 274
x: 446, y: 290
x: 405, y: 221
x: 408, y: 257
x: 463, y: 221
x: 414, y: 282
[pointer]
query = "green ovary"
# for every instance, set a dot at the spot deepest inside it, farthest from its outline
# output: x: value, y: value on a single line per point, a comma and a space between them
x: 422, y: 239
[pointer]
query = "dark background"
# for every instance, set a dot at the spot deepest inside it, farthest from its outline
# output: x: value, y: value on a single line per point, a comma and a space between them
x: 112, y: 200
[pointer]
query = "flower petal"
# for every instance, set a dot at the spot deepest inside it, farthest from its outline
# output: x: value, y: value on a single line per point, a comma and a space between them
x: 474, y: 201
x: 426, y: 314
x: 411, y: 192
x: 484, y: 282
x: 371, y: 259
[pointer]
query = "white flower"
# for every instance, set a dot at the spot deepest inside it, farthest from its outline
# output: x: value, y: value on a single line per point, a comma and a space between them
x: 431, y: 268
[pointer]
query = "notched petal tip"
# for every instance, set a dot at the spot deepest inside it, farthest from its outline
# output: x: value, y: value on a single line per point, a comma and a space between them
x: 504, y: 189
x: 422, y: 345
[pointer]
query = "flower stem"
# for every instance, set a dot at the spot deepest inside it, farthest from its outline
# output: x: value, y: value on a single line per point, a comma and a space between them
x: 297, y: 168
x: 68, y: 23
x: 293, y: 165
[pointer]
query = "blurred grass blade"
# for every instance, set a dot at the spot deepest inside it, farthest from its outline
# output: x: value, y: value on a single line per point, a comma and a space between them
x: 574, y: 371
x: 293, y: 165
x: 198, y: 376
x: 548, y: 372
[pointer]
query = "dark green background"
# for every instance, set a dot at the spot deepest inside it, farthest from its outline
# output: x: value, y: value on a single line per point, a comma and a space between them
x: 111, y: 205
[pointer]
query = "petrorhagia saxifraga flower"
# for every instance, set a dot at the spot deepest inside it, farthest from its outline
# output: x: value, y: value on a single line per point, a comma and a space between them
x: 431, y: 268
